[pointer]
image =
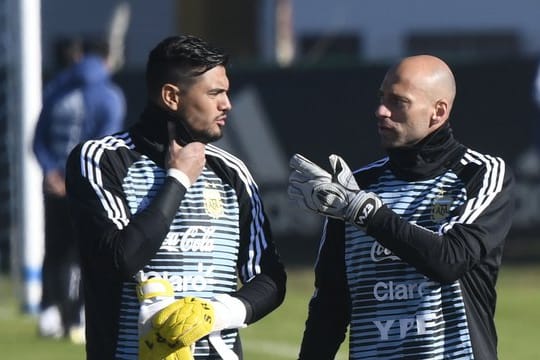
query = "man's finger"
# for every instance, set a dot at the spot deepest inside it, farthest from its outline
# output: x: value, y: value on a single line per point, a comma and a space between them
x: 294, y: 192
x: 306, y: 166
x: 342, y: 173
x: 297, y: 177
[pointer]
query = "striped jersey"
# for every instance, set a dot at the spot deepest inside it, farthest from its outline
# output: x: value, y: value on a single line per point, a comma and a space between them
x: 218, y: 237
x: 419, y: 283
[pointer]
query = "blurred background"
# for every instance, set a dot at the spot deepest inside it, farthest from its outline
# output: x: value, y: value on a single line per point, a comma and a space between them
x: 304, y: 78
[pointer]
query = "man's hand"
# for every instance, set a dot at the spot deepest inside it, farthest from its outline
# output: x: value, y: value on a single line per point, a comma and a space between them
x: 176, y: 328
x: 335, y: 195
x: 185, y: 321
x: 55, y: 183
x: 189, y: 159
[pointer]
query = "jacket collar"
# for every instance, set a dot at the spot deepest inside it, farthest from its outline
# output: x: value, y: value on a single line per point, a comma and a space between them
x: 151, y: 135
x: 430, y: 157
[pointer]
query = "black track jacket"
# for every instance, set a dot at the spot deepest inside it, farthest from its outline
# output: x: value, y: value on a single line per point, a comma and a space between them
x: 131, y: 216
x: 419, y: 283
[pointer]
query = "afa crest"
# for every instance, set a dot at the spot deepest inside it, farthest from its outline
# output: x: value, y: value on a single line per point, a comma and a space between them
x: 212, y: 203
x: 440, y: 207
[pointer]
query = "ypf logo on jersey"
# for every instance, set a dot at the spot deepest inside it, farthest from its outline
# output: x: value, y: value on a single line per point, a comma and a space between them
x: 212, y: 202
x: 440, y: 207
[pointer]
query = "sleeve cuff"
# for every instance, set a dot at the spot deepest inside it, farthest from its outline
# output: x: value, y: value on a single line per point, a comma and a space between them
x: 180, y: 176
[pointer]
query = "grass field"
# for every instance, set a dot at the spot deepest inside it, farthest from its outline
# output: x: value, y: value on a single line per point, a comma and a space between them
x: 278, y: 336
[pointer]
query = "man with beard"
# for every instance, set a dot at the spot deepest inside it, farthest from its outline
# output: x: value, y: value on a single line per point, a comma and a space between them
x: 413, y: 242
x: 159, y: 201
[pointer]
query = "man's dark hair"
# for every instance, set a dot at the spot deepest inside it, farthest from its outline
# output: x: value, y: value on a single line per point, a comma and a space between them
x: 96, y: 45
x: 179, y: 59
x: 67, y: 51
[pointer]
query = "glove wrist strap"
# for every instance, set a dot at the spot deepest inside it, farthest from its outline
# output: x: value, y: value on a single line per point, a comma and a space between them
x: 361, y: 208
x: 154, y: 287
x: 221, y: 347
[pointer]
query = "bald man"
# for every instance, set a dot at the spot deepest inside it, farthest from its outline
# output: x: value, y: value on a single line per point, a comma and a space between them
x: 412, y: 243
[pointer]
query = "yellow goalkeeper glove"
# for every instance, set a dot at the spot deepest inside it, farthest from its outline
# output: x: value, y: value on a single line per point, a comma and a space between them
x: 168, y: 328
x: 164, y: 352
x: 185, y: 321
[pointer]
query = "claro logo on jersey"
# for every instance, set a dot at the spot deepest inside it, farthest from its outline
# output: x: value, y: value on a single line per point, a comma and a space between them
x: 195, y: 238
x: 380, y: 253
x: 188, y: 281
x: 390, y: 290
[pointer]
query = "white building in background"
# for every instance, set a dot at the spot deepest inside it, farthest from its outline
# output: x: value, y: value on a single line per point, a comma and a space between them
x: 384, y: 25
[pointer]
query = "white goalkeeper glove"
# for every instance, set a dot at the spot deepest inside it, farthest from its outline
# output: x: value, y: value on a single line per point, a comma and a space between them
x: 336, y: 195
x: 230, y: 313
x: 167, y: 327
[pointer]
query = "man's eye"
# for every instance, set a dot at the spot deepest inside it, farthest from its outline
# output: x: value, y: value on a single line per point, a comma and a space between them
x: 392, y: 100
x: 396, y: 101
x: 215, y: 93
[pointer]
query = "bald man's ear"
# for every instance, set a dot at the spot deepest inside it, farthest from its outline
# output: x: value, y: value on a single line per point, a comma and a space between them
x: 170, y: 96
x: 441, y: 112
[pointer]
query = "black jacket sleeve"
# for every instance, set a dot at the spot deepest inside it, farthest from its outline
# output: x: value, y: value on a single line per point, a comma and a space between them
x: 264, y: 290
x: 111, y: 236
x: 485, y: 220
x: 329, y: 308
x: 260, y: 269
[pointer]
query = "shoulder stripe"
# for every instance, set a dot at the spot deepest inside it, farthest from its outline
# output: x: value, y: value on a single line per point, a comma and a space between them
x: 90, y: 157
x: 258, y: 241
x: 492, y: 184
x: 375, y: 164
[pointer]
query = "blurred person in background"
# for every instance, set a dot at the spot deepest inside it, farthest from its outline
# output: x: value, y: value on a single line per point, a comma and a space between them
x: 80, y: 102
x: 412, y: 243
x: 160, y: 209
x: 67, y: 52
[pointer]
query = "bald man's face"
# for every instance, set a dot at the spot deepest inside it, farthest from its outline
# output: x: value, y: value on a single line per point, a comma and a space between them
x: 410, y: 105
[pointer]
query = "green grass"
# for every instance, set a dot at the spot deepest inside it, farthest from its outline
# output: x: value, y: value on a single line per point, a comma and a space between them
x: 278, y: 335
x: 518, y: 313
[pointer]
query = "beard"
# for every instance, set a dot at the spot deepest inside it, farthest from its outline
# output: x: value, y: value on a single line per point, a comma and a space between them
x: 185, y: 133
x: 205, y: 136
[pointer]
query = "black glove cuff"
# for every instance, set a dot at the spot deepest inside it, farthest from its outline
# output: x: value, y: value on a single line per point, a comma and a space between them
x: 362, y: 208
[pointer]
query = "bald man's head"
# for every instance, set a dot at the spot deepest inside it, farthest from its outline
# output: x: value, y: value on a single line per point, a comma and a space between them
x: 417, y: 95
x: 429, y: 74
